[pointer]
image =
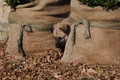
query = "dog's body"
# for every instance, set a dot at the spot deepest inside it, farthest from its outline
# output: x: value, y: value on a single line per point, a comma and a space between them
x: 61, y: 31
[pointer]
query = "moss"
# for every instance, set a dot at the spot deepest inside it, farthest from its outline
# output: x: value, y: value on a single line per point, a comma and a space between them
x: 3, y: 34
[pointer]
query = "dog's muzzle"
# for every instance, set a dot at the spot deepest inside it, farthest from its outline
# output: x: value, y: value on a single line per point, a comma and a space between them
x: 59, y: 45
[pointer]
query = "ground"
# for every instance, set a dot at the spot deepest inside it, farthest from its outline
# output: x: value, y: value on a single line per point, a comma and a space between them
x: 49, y: 67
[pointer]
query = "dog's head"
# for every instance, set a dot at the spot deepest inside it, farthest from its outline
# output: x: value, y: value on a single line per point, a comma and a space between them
x: 61, y: 32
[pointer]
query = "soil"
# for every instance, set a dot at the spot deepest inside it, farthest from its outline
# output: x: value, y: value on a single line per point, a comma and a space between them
x: 49, y: 67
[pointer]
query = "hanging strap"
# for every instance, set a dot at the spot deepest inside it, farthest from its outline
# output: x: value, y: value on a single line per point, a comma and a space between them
x: 24, y: 27
x: 87, y: 24
x: 29, y: 28
x: 86, y: 32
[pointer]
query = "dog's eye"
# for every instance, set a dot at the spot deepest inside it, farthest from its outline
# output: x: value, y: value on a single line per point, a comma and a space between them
x: 60, y: 37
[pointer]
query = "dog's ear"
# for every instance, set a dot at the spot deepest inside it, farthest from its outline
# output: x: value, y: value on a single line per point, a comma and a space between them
x: 65, y: 28
x: 52, y: 28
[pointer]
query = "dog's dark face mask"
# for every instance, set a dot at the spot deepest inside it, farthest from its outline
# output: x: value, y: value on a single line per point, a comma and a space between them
x: 61, y: 32
x: 60, y: 43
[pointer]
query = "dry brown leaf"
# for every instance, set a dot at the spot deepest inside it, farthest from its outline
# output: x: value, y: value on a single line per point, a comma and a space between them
x: 90, y: 70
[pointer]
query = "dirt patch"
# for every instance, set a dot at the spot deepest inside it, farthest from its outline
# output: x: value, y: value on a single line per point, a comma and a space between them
x: 49, y: 67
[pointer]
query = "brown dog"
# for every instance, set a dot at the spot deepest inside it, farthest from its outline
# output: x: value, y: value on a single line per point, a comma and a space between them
x: 61, y: 31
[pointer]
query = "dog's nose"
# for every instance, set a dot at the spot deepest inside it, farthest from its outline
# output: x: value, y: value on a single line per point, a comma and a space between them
x: 57, y: 45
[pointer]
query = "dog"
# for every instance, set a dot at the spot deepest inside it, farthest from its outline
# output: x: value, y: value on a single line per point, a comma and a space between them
x: 61, y: 32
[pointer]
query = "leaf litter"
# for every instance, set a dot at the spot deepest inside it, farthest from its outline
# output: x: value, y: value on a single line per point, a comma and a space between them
x: 49, y: 67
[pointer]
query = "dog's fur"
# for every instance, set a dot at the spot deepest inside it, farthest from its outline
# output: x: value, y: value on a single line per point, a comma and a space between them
x: 61, y: 31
